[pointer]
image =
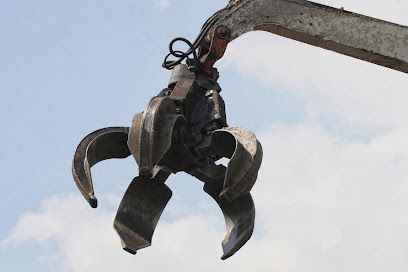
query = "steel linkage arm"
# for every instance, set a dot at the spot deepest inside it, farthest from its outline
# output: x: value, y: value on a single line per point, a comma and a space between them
x: 347, y: 33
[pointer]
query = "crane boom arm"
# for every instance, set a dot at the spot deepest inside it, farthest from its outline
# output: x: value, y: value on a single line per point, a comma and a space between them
x: 347, y: 33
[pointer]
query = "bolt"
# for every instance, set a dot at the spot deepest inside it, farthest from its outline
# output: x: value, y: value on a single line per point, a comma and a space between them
x: 223, y: 32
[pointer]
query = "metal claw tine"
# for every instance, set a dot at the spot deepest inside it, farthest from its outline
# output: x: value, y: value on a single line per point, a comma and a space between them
x: 239, y: 217
x: 103, y: 144
x: 140, y: 211
x: 245, y: 153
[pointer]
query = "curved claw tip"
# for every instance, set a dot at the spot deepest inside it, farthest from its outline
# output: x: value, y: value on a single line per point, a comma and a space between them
x: 226, y: 256
x: 93, y: 201
x: 100, y: 145
x: 131, y: 251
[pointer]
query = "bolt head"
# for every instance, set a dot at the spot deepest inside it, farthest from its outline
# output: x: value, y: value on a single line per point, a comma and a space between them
x: 223, y: 32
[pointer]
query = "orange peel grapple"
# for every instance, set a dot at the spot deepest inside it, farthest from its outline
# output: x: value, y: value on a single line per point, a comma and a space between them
x: 184, y: 127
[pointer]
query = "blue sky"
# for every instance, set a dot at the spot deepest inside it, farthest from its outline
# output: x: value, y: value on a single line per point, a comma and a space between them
x: 333, y: 131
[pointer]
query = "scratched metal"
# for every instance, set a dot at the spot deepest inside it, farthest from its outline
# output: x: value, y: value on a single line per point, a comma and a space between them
x: 348, y: 33
x: 184, y: 127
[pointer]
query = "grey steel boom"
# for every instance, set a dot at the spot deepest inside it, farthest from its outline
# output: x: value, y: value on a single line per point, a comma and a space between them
x: 184, y: 127
x: 345, y: 32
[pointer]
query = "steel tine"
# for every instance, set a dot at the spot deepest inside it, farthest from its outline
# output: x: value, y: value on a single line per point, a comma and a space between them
x: 140, y: 211
x: 239, y: 217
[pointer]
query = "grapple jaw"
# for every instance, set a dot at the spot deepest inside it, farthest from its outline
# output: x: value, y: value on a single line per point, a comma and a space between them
x: 184, y: 130
x: 144, y: 200
x: 140, y: 211
x: 103, y: 144
x: 245, y: 153
x: 239, y: 217
x: 230, y: 186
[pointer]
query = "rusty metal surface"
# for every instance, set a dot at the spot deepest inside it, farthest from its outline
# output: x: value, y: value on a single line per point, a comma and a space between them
x: 344, y: 32
x: 221, y: 36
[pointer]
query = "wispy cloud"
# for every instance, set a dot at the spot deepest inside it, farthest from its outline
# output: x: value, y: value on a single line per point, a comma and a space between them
x: 332, y: 87
x: 162, y: 4
x: 323, y: 204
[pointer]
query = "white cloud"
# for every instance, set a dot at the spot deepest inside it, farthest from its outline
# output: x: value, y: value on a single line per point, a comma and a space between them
x: 333, y: 87
x: 322, y: 205
x: 87, y: 241
x: 336, y: 203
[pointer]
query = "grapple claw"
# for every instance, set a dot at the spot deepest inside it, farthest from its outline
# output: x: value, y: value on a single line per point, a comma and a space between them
x: 140, y: 211
x: 103, y: 144
x: 151, y: 135
x: 245, y: 153
x: 239, y: 217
